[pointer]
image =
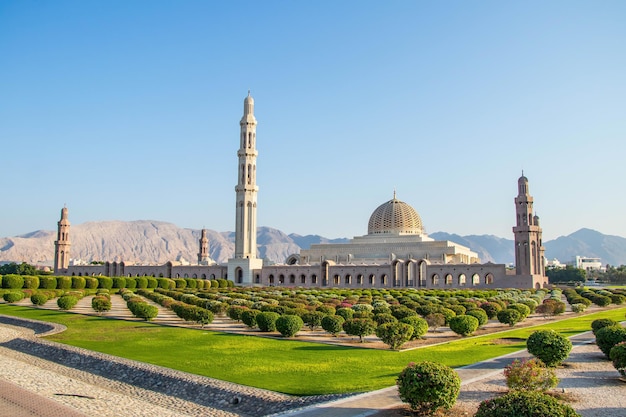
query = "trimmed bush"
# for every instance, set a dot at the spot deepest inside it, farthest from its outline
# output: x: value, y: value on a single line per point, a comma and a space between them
x: 359, y: 327
x: 435, y: 320
x: 394, y: 334
x: 101, y: 303
x: 39, y: 299
x: 31, y: 282
x: 526, y: 404
x: 47, y: 283
x: 313, y: 319
x: 509, y: 316
x: 464, y: 325
x: 600, y: 323
x: 609, y: 336
x: 131, y: 283
x: 266, y: 321
x: 333, y: 324
x: 420, y: 326
x: 428, y: 387
x: 180, y: 283
x: 144, y: 310
x: 142, y: 282
x: 522, y: 308
x: 578, y: 308
x: 119, y: 282
x: 480, y: 314
x: 13, y: 282
x: 384, y: 318
x: 618, y: 356
x: 248, y: 317
x: 91, y: 283
x: 235, y: 312
x: 64, y: 283
x: 491, y: 309
x: 166, y: 283
x: 67, y: 302
x: 549, y: 346
x: 13, y: 296
x: 152, y: 282
x: 530, y: 375
x: 289, y: 324
x: 105, y: 282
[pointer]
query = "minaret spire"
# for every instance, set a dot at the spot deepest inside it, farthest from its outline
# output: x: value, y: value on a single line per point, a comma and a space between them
x: 62, y: 244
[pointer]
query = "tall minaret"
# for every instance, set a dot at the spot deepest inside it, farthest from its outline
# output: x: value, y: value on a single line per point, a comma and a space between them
x: 529, y: 250
x: 246, y: 189
x: 241, y: 267
x: 203, y: 255
x: 62, y: 244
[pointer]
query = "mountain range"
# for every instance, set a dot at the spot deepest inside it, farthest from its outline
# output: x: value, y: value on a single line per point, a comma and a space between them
x: 154, y: 242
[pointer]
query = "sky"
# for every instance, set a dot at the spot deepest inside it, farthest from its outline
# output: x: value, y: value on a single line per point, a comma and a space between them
x: 129, y: 110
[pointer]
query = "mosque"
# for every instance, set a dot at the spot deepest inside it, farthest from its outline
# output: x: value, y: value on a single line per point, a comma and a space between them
x: 395, y: 253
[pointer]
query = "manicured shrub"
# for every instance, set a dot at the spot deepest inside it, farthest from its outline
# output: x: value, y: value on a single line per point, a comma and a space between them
x: 509, y: 316
x: 525, y: 404
x: 464, y: 325
x: 144, y: 311
x: 617, y: 354
x: 550, y: 308
x: 435, y: 320
x: 78, y: 283
x: 447, y: 313
x: 609, y: 336
x: 384, y: 318
x: 39, y: 299
x: 601, y: 300
x: 530, y: 375
x: 523, y: 309
x: 67, y: 302
x: 618, y: 299
x: 166, y: 283
x: 266, y: 321
x: 400, y: 312
x: 491, y: 309
x: 191, y: 283
x: 47, y: 283
x: 235, y: 312
x: 248, y: 317
x: 326, y: 309
x: 289, y: 324
x: 333, y: 324
x: 578, y: 308
x: 216, y: 307
x: 420, y: 326
x: 394, y: 334
x: 13, y: 296
x: 180, y: 283
x: 64, y: 283
x: 549, y: 346
x: 215, y: 284
x: 91, y: 283
x: 359, y: 327
x: 100, y: 304
x: 600, y: 323
x: 31, y: 282
x: 480, y: 314
x: 119, y: 282
x: 12, y: 282
x: 346, y: 313
x: 142, y: 282
x: 428, y: 387
x: 105, y: 282
x: 313, y: 319
x: 152, y: 282
x: 131, y: 283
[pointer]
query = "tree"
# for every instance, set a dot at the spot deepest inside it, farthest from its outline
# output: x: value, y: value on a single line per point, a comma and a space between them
x: 464, y: 325
x: 18, y: 269
x: 394, y: 334
x: 509, y: 316
x: 333, y: 324
x: 428, y: 386
x: 549, y: 346
x: 567, y: 274
x: 359, y: 327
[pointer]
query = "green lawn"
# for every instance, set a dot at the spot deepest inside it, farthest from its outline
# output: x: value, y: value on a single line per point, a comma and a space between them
x: 288, y: 366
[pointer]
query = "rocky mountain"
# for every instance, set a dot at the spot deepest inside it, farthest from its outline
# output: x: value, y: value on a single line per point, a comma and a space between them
x: 153, y: 242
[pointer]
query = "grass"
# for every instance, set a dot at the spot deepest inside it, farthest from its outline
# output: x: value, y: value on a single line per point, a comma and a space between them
x: 289, y: 366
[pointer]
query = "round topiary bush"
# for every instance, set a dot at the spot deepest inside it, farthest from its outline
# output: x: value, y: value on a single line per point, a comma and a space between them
x: 13, y: 296
x: 235, y: 312
x: 39, y: 299
x: 618, y: 356
x: 333, y: 324
x: 145, y: 311
x: 609, y: 336
x: 420, y: 326
x: 428, y: 386
x: 313, y: 319
x: 509, y: 316
x: 105, y: 282
x: 394, y: 334
x: 266, y: 321
x: 526, y: 404
x: 248, y: 317
x: 530, y: 375
x: 600, y: 323
x: 13, y: 282
x: 480, y: 314
x: 78, y: 283
x: 64, y: 283
x: 522, y: 308
x: 67, y: 302
x: 31, y: 282
x: 91, y: 283
x: 346, y: 313
x: 101, y: 303
x: 289, y: 324
x: 47, y: 283
x: 464, y: 325
x: 549, y: 346
x: 491, y: 309
x: 359, y: 327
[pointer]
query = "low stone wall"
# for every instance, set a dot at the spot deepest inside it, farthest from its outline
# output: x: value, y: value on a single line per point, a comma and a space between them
x: 207, y: 392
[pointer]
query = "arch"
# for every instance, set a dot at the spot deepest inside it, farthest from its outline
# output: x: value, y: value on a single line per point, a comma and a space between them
x: 257, y: 279
x: 489, y: 278
x: 203, y: 276
x: 372, y: 279
x: 239, y: 275
x: 271, y: 279
x: 434, y: 280
x: 281, y: 279
x: 475, y: 279
x: 186, y: 276
x: 383, y: 280
x: 359, y: 279
x: 302, y: 279
x: 292, y: 279
x: 194, y: 276
x: 448, y: 279
x: 347, y: 279
x: 336, y: 279
x: 538, y: 286
x: 462, y: 280
x: 212, y: 276
x: 314, y: 279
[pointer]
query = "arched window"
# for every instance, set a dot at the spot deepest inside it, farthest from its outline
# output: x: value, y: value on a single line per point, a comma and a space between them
x: 348, y: 279
x: 489, y: 279
x: 372, y: 279
x: 313, y: 279
x: 336, y: 279
x: 281, y: 279
x: 271, y: 279
x: 302, y: 279
x: 383, y: 280
x: 448, y: 279
x: 292, y: 279
x: 435, y: 280
x: 462, y: 280
x: 475, y: 279
x: 359, y: 279
x: 257, y: 279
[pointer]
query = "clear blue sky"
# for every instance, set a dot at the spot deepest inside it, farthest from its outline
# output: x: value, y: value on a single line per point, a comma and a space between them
x: 128, y: 110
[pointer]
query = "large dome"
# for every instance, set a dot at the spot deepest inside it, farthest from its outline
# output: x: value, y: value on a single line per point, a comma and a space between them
x: 395, y: 217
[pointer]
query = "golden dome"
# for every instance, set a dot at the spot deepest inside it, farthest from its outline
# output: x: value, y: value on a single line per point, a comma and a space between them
x: 395, y: 217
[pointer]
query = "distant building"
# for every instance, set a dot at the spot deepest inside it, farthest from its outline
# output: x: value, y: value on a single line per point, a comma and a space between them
x: 588, y: 264
x: 395, y: 253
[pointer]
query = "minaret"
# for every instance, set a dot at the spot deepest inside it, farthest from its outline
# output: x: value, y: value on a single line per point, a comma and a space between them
x: 529, y: 250
x: 62, y: 244
x: 246, y: 200
x: 203, y: 255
